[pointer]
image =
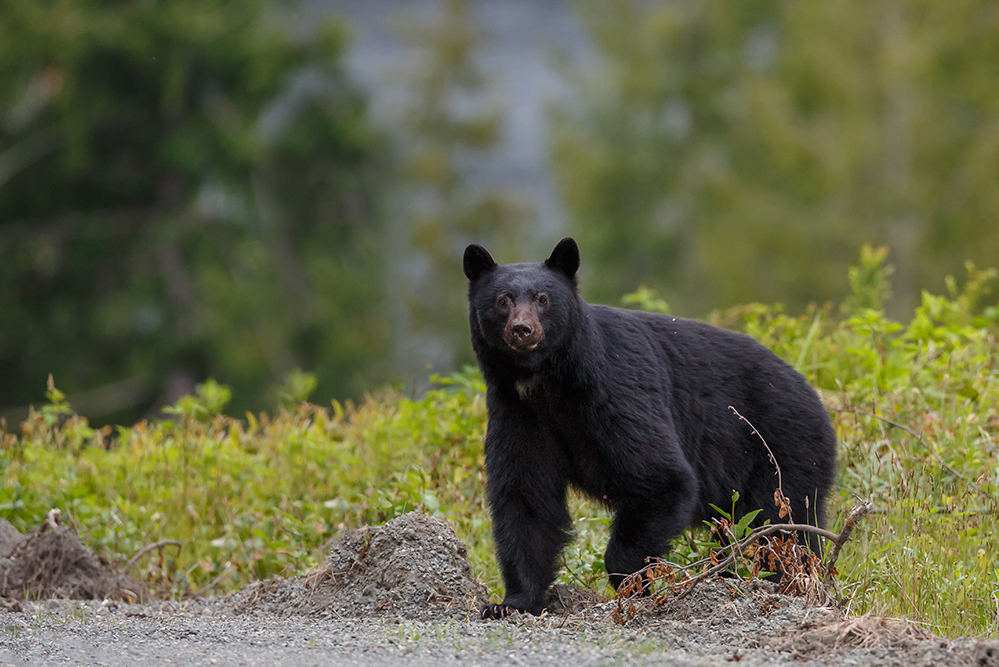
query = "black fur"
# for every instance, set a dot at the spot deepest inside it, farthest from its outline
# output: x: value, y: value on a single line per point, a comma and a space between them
x: 633, y: 409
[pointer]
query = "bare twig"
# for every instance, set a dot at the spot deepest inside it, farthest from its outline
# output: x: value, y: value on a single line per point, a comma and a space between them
x: 782, y: 501
x: 769, y: 451
x: 750, y: 539
x: 149, y: 547
x: 737, y: 547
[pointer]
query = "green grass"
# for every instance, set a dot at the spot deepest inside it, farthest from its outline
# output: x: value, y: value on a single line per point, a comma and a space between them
x: 259, y: 496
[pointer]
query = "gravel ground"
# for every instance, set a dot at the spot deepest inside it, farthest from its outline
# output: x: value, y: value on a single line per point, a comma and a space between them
x: 401, y: 594
x: 61, y: 632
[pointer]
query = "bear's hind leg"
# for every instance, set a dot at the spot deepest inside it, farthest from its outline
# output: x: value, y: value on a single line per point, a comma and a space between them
x: 643, y: 529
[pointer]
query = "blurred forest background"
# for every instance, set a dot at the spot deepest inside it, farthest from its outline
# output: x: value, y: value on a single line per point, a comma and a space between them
x: 277, y: 195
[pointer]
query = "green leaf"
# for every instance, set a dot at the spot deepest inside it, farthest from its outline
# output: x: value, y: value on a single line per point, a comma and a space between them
x: 969, y: 392
x: 741, y: 528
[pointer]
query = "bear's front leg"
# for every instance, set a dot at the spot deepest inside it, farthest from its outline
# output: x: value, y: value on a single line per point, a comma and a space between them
x: 527, y: 487
x: 530, y: 531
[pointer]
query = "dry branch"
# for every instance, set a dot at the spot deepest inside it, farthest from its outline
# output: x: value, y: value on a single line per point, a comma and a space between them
x: 855, y: 515
x: 635, y: 584
x: 782, y: 501
x: 149, y: 547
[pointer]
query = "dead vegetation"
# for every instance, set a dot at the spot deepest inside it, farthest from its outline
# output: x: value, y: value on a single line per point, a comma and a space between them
x: 861, y: 632
x: 767, y: 549
x: 54, y: 563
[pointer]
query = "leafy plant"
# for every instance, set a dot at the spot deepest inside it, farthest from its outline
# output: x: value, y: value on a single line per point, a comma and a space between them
x: 729, y: 529
x: 645, y: 299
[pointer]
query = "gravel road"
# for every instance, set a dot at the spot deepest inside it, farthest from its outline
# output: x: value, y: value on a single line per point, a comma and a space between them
x: 204, y: 633
x: 402, y: 594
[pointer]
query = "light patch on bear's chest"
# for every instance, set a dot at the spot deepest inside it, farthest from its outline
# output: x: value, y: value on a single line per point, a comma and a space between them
x: 525, y: 387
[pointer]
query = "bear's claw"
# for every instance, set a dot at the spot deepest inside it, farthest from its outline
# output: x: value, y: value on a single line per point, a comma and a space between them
x: 497, y: 611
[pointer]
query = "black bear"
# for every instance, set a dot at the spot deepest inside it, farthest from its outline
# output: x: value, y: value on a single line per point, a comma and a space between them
x: 632, y: 408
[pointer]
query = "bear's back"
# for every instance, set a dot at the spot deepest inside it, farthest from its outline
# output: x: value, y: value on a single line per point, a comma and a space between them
x: 709, y: 374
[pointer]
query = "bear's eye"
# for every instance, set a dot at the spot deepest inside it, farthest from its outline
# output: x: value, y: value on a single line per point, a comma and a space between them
x: 543, y: 299
x: 502, y: 302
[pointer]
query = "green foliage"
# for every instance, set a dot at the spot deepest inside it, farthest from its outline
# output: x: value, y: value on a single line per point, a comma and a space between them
x: 185, y: 190
x: 209, y: 401
x: 916, y: 410
x: 732, y: 528
x: 257, y: 497
x: 297, y: 388
x: 721, y: 152
x: 583, y: 559
x: 645, y: 299
x: 869, y: 281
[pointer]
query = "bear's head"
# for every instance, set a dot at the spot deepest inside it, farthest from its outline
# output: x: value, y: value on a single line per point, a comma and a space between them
x: 524, y: 308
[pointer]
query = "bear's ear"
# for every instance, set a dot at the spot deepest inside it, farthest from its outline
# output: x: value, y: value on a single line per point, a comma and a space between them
x: 565, y: 257
x: 477, y: 261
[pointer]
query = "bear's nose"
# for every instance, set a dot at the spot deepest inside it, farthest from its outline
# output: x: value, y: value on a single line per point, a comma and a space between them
x: 521, y: 330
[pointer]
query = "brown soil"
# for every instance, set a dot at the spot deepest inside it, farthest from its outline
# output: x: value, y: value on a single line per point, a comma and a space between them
x: 414, y: 566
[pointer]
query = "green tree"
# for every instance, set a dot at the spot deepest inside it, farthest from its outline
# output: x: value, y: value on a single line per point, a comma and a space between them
x: 450, y: 127
x: 186, y: 189
x: 725, y: 152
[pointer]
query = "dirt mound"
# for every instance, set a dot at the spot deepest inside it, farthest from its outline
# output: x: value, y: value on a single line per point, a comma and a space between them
x: 713, y: 598
x: 414, y: 566
x: 54, y: 563
x: 9, y: 537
